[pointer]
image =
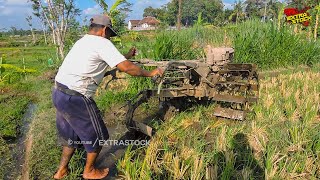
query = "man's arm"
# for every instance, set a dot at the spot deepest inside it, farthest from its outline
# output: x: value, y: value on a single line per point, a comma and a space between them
x: 134, y: 70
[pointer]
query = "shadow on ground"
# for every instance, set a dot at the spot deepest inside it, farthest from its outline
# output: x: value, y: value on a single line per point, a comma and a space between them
x: 238, y: 162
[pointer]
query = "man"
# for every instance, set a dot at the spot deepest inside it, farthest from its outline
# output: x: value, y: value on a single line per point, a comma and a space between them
x: 78, y: 118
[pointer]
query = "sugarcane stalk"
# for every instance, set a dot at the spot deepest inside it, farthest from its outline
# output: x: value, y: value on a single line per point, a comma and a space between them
x: 280, y: 14
x: 317, y: 23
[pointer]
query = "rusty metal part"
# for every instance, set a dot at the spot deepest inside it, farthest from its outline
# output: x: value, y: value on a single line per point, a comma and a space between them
x: 145, y: 129
x: 142, y: 97
x: 229, y: 113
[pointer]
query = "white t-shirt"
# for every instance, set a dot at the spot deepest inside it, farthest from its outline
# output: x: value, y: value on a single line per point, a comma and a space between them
x: 85, y: 65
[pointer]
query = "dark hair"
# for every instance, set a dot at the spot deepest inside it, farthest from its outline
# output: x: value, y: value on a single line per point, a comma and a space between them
x: 95, y: 27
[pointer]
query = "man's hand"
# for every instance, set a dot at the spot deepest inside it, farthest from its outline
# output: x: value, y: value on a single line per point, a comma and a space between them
x: 132, y: 52
x: 157, y: 72
x: 134, y: 70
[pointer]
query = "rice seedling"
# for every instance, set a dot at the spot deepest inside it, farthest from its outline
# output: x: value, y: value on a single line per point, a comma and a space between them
x: 129, y: 167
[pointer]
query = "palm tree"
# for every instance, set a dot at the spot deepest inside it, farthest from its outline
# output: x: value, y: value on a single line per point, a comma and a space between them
x: 114, y: 8
x: 114, y: 12
x: 238, y: 13
x: 102, y: 4
x: 271, y: 9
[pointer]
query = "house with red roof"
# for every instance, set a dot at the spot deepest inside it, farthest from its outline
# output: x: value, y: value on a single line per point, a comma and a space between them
x: 147, y: 23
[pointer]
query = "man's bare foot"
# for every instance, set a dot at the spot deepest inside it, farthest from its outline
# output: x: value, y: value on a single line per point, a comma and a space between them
x: 95, y: 173
x: 61, y: 173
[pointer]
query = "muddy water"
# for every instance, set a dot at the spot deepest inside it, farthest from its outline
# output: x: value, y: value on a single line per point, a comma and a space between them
x: 18, y: 146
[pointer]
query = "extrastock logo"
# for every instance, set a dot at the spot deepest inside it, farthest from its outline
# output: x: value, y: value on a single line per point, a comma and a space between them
x: 295, y: 16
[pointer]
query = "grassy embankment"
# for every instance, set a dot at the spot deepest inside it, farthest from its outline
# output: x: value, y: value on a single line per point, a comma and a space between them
x: 267, y: 144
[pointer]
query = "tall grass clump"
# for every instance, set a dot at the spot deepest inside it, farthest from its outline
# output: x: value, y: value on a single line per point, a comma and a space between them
x: 182, y: 45
x: 175, y: 45
x: 217, y: 37
x: 133, y: 85
x: 268, y: 47
x: 11, y: 115
x: 111, y: 96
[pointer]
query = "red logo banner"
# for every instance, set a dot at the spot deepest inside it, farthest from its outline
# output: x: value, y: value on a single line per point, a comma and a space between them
x: 295, y: 16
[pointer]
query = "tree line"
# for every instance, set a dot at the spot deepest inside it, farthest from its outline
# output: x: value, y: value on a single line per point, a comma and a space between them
x: 214, y: 12
x: 15, y: 31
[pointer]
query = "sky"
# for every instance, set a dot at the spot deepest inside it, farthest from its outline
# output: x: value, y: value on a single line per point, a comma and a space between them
x: 14, y: 12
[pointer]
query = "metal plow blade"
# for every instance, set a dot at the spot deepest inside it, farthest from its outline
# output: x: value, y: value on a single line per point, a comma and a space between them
x: 229, y: 113
x: 141, y: 127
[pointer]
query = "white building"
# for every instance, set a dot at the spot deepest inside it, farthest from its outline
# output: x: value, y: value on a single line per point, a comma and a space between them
x: 147, y: 23
x: 132, y: 24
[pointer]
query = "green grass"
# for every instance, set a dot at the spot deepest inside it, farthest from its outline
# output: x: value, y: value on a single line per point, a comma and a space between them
x: 268, y: 47
x: 11, y: 114
x: 14, y: 101
x: 34, y: 57
x: 6, y: 158
x: 13, y: 105
x: 253, y: 41
x: 183, y: 45
x: 17, y: 62
x: 175, y: 45
x: 114, y: 96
